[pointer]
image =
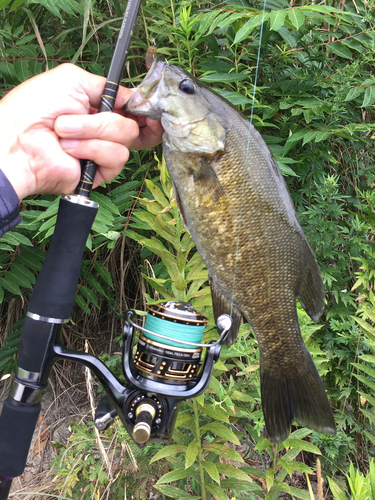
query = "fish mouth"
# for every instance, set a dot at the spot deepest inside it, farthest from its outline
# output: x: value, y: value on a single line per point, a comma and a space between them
x: 146, y: 96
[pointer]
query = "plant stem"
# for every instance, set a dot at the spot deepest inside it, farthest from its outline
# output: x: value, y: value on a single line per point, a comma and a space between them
x: 199, y: 443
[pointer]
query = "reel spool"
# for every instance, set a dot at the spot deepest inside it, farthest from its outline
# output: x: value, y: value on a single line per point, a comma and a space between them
x: 167, y: 359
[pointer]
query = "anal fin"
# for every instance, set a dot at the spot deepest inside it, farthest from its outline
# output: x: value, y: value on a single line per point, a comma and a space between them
x: 311, y: 294
x: 221, y: 305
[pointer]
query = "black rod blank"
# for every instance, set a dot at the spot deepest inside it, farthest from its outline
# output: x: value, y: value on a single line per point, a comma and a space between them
x: 88, y: 167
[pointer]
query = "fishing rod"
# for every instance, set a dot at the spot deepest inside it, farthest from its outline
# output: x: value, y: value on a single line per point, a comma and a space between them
x: 166, y: 367
x: 53, y: 296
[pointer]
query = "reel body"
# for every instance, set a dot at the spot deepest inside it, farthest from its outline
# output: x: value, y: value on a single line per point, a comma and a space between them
x: 163, y: 368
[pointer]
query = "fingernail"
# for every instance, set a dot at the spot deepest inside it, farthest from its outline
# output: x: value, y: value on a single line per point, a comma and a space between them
x: 69, y: 143
x: 69, y: 124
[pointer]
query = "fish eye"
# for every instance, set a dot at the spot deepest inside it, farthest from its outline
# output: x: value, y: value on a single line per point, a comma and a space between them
x: 187, y: 86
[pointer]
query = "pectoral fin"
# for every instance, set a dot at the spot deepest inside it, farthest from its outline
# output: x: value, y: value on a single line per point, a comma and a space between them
x: 222, y: 305
x: 208, y: 186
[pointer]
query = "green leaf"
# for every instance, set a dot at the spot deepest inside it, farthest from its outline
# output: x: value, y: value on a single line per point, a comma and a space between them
x: 277, y: 19
x: 224, y: 77
x: 248, y: 27
x: 367, y: 369
x: 174, y: 475
x: 223, y: 451
x: 234, y: 98
x: 7, y: 69
x: 309, y: 136
x: 263, y: 444
x: 234, y: 472
x: 89, y: 294
x: 285, y: 170
x: 49, y: 5
x: 22, y: 70
x: 354, y: 93
x: 22, y: 274
x: 82, y: 304
x: 337, y: 492
x: 191, y: 453
x: 31, y: 257
x: 211, y: 470
x: 103, y: 273
x: 340, y: 49
x: 221, y: 431
x: 5, y: 247
x: 169, y: 451
x: 48, y: 224
x: 286, y: 466
x: 172, y: 492
x: 300, y: 467
x: 216, y: 492
x: 301, y: 433
x: 9, y: 283
x: 287, y: 36
x: 235, y: 484
x: 296, y: 17
x: 14, y: 238
x: 215, y: 413
x: 369, y: 97
x: 182, y: 418
x: 270, y: 478
x: 322, y: 136
x: 302, y: 445
x: 105, y: 202
x: 95, y: 284
x: 297, y: 136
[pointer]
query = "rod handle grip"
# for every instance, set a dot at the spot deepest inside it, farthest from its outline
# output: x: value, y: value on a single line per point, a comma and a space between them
x: 54, y: 292
x: 17, y: 425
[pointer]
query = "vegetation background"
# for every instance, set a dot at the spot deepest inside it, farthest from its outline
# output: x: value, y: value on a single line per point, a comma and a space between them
x: 314, y: 105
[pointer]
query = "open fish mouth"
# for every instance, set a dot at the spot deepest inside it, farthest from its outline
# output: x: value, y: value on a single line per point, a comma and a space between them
x: 145, y: 98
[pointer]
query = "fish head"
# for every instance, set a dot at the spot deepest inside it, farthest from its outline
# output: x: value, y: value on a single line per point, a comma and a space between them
x: 175, y: 97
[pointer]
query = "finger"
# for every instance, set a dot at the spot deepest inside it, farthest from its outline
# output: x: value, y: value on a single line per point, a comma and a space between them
x: 109, y: 156
x: 94, y: 86
x: 104, y: 126
x: 150, y: 135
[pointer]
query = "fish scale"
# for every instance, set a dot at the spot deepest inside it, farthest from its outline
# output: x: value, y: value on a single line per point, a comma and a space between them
x: 237, y: 207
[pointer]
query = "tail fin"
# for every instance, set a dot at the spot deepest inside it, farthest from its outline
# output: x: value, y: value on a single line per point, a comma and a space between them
x: 301, y: 398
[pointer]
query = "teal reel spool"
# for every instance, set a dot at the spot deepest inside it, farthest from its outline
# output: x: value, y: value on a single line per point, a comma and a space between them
x: 163, y: 350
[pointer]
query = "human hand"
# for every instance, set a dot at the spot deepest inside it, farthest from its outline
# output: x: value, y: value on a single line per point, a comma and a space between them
x: 45, y: 127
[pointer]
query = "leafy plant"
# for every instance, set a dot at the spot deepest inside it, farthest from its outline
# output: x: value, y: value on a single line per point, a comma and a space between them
x: 360, y: 487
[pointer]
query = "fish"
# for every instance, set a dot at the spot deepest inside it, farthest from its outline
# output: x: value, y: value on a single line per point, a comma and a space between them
x: 235, y: 203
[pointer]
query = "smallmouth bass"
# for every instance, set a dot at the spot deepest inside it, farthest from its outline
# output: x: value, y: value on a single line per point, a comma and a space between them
x: 238, y: 209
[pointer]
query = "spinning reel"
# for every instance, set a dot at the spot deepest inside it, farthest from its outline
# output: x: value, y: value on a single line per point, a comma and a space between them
x: 161, y: 369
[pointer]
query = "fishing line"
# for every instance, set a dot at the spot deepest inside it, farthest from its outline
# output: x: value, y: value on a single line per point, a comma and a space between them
x: 247, y: 155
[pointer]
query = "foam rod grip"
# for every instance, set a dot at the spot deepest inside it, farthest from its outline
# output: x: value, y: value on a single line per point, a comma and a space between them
x: 55, y: 288
x: 17, y: 424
